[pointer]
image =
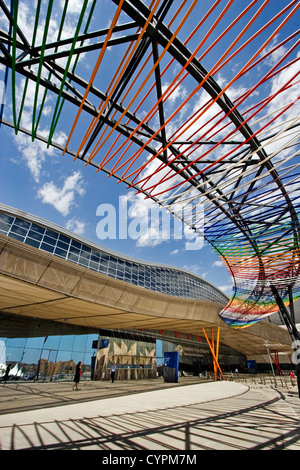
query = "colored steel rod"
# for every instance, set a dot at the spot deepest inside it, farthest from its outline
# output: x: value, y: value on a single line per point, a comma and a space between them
x: 97, y: 65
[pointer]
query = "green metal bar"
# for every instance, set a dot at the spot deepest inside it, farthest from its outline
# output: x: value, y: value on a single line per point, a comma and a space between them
x: 13, y: 68
x: 77, y: 58
x: 33, y: 43
x: 56, y: 113
x: 49, y: 75
x: 50, y: 4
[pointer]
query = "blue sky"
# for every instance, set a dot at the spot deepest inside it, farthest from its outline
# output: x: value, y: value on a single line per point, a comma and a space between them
x: 47, y: 184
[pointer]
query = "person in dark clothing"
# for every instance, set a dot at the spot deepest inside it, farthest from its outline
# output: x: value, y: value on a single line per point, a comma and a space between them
x: 113, y: 372
x: 77, y: 376
x: 6, y: 375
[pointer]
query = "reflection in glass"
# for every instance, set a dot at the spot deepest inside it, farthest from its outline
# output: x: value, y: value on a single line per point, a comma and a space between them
x: 48, y: 358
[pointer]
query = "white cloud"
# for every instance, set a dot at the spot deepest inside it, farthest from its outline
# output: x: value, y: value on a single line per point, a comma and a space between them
x: 274, y: 57
x: 218, y: 264
x: 227, y: 289
x: 151, y: 237
x: 194, y: 268
x: 33, y: 154
x: 64, y: 198
x: 76, y: 226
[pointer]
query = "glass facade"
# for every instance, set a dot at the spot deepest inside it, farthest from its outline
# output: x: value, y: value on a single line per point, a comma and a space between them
x: 55, y: 357
x: 58, y: 242
x: 47, y: 358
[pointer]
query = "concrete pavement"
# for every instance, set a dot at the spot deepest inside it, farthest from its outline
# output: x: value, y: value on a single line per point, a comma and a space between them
x: 148, y: 415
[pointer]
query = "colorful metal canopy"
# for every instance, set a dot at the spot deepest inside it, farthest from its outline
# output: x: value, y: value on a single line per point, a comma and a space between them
x: 192, y: 105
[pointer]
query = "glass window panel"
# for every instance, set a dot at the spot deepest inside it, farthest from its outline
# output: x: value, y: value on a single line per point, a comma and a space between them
x: 51, y: 233
x: 63, y: 238
x: 22, y: 223
x: 80, y: 343
x: 66, y: 343
x: 37, y: 228
x: 94, y: 265
x: 95, y: 255
x: 62, y: 244
x: 75, y: 244
x: 83, y: 262
x: 84, y: 255
x: 135, y: 268
x: 86, y: 249
x: 35, y: 235
x: 31, y: 242
x: 64, y: 356
x: 4, y: 226
x: 6, y: 218
x: 76, y: 357
x: 74, y: 250
x: 49, y: 240
x: 17, y: 237
x: 19, y: 230
x: 60, y: 252
x: 31, y: 356
x: 103, y: 269
x: 53, y: 342
x: 16, y: 342
x: 14, y: 354
x: 46, y: 247
x: 73, y: 257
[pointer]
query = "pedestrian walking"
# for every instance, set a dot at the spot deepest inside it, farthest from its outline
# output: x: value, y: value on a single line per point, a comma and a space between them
x: 113, y: 372
x: 77, y: 376
x: 6, y: 375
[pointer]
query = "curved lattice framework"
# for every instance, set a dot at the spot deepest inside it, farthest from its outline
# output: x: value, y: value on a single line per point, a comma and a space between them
x: 199, y: 108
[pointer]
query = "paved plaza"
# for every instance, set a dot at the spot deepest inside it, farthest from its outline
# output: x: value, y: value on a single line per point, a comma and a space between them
x: 149, y: 415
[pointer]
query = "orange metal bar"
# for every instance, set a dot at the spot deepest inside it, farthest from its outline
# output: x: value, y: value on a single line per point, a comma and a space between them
x: 213, y: 348
x: 120, y: 75
x: 154, y: 109
x: 146, y: 79
x: 213, y: 354
x: 169, y: 89
x: 212, y: 71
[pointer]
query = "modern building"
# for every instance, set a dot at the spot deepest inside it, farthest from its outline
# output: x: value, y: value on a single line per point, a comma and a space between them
x: 58, y: 287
